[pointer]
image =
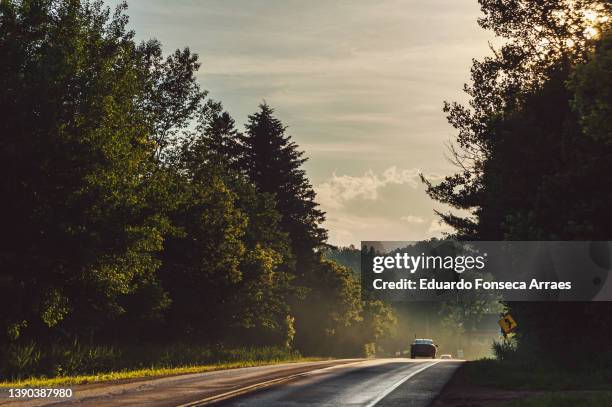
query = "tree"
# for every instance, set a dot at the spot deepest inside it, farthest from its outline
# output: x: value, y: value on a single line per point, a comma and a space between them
x: 346, y: 256
x: 84, y: 110
x: 332, y: 306
x: 542, y: 40
x: 529, y: 162
x: 326, y: 300
x: 217, y: 130
x: 225, y: 268
x: 75, y: 153
x: 136, y: 211
x: 591, y: 85
x: 273, y: 163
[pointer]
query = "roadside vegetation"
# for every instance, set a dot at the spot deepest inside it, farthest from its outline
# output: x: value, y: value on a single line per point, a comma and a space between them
x: 589, y: 399
x: 528, y: 380
x: 30, y: 365
x: 533, y: 374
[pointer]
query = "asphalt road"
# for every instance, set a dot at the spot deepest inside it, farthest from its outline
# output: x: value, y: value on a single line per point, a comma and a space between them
x: 387, y: 382
x: 380, y: 382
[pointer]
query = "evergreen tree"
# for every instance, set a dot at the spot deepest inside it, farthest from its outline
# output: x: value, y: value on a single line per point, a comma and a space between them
x: 272, y: 162
x: 216, y: 136
x: 226, y: 268
x: 327, y: 301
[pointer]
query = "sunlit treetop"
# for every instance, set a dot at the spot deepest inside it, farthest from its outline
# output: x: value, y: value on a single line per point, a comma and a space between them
x: 537, y: 33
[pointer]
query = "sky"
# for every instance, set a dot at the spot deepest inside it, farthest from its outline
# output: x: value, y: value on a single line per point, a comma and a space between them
x: 359, y: 83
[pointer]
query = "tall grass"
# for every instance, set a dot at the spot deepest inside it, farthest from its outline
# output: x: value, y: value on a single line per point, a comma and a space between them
x: 18, y: 362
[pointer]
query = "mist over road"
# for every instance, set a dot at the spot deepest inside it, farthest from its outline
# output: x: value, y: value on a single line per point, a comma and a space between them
x: 356, y: 382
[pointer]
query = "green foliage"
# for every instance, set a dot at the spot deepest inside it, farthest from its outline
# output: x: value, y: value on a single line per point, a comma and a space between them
x: 585, y: 399
x: 529, y: 373
x: 226, y: 268
x: 201, y: 265
x: 591, y: 84
x: 334, y: 306
x: 346, y: 256
x: 76, y: 152
x: 337, y: 319
x: 379, y: 322
x: 138, y: 214
x: 326, y: 300
x: 531, y: 149
x: 272, y: 162
x: 22, y: 360
x: 505, y: 349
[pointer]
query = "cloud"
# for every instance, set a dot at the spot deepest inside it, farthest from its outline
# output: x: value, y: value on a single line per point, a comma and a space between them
x: 412, y: 219
x: 350, y: 229
x: 389, y: 204
x: 437, y: 228
x: 338, y: 190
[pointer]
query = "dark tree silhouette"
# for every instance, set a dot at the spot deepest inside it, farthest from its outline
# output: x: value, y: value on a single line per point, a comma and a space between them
x: 273, y: 164
x: 531, y: 150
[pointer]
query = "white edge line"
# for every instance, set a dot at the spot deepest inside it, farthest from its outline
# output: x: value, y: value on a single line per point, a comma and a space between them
x: 260, y: 385
x: 398, y: 383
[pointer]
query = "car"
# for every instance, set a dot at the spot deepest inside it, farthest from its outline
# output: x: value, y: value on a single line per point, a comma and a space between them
x: 446, y: 356
x: 423, y: 348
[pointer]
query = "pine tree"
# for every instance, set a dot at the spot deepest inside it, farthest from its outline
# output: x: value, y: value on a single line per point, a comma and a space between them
x: 227, y: 269
x: 216, y: 137
x: 272, y: 162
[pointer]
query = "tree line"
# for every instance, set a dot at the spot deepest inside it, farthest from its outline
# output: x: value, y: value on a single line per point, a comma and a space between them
x: 135, y: 210
x: 534, y: 152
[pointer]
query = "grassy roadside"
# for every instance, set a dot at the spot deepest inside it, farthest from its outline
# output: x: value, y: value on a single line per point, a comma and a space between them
x: 69, y: 364
x: 143, y: 373
x: 529, y: 383
x: 581, y: 399
x: 515, y: 375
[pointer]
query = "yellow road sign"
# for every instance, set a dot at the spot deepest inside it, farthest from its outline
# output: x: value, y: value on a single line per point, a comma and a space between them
x: 507, y: 323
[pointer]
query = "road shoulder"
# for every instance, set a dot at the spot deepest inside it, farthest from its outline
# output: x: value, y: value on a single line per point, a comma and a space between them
x: 201, y: 385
